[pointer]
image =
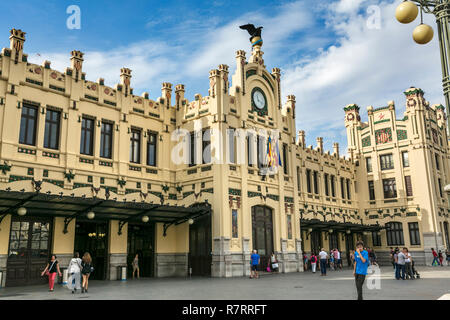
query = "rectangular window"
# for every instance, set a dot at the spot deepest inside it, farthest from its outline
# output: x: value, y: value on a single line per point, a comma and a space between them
x: 135, y: 146
x: 192, y: 149
x: 334, y: 242
x: 376, y: 239
x: 394, y: 234
x: 316, y: 182
x: 106, y: 140
x: 250, y: 155
x: 308, y: 181
x: 342, y: 188
x: 299, y: 177
x: 371, y: 190
x: 389, y: 188
x: 151, y: 148
x: 408, y: 186
x: 348, y: 190
x: 386, y: 162
x: 440, y: 186
x: 51, y: 135
x: 285, y: 157
x: 369, y: 164
x: 206, y: 149
x: 289, y: 226
x: 333, y: 186
x: 405, y: 159
x: 28, y: 125
x: 234, y: 223
x: 438, y: 167
x: 414, y: 235
x: 231, y: 149
x: 261, y: 149
x: 87, y: 136
x: 327, y: 191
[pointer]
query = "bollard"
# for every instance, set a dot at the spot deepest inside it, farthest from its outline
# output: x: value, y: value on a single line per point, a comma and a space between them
x: 1, y: 279
x: 124, y: 274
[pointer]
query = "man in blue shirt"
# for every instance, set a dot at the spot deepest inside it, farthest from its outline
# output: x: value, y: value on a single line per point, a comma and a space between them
x: 360, y: 267
x: 254, y: 262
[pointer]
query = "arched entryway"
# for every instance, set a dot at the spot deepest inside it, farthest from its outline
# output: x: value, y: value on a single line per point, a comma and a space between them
x: 262, y: 226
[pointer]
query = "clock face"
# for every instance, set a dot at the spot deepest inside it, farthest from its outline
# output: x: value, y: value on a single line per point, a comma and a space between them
x: 258, y: 99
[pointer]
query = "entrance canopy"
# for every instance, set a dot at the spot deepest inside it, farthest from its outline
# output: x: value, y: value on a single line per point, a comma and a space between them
x: 338, y: 226
x: 71, y: 207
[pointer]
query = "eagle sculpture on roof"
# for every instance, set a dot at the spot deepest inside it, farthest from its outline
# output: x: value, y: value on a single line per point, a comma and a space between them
x: 254, y: 32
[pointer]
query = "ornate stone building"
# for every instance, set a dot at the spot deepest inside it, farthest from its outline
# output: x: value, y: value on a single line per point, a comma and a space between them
x: 86, y: 167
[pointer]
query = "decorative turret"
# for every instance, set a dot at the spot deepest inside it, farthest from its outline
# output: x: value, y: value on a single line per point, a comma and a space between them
x: 276, y: 73
x: 76, y: 63
x: 166, y: 93
x: 414, y: 98
x: 223, y: 69
x: 16, y: 41
x: 214, y: 78
x: 291, y: 104
x: 352, y: 121
x: 125, y: 80
x: 336, y: 149
x: 240, y: 68
x: 301, y: 138
x: 319, y: 141
x: 440, y: 114
x: 179, y: 95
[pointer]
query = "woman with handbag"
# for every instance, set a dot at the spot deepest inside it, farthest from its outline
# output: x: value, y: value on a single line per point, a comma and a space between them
x: 86, y: 269
x: 74, y: 269
x: 274, y: 261
x: 50, y: 270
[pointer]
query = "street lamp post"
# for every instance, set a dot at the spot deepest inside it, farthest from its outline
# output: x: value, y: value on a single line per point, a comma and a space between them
x: 408, y: 11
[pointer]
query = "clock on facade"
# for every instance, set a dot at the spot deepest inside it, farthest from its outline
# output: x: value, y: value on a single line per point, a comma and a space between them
x: 259, y: 101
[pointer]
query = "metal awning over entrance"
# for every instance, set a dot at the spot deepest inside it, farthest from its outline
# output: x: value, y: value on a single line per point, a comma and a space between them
x: 338, y: 226
x: 71, y: 207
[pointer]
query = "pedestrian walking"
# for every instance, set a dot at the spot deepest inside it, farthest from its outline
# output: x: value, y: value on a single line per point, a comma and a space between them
x: 332, y: 260
x: 254, y: 261
x: 352, y: 257
x: 360, y: 268
x: 372, y: 257
x: 313, y: 261
x: 74, y: 269
x: 441, y: 258
x: 435, y: 258
x: 274, y: 262
x: 337, y: 259
x: 408, y: 266
x: 401, y: 260
x: 50, y: 270
x: 86, y: 270
x: 135, y: 265
x: 323, y: 257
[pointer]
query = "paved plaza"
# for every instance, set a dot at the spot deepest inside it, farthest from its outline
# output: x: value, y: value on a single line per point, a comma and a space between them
x: 338, y: 285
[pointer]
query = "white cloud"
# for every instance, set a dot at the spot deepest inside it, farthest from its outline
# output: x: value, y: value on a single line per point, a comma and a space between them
x: 367, y: 67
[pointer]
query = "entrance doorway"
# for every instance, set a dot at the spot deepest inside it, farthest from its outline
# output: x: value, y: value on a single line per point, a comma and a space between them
x: 200, y: 246
x: 92, y: 237
x: 262, y: 226
x: 349, y: 246
x: 141, y: 240
x: 29, y: 251
x: 316, y: 241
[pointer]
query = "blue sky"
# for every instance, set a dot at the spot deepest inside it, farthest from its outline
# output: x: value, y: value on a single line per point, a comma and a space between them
x: 329, y: 52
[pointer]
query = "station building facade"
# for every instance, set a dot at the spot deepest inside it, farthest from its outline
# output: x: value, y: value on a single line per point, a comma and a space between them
x: 87, y: 167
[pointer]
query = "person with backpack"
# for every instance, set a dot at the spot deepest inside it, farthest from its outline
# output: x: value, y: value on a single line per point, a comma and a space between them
x: 50, y: 270
x: 74, y: 269
x: 313, y: 261
x: 86, y: 270
x: 435, y: 258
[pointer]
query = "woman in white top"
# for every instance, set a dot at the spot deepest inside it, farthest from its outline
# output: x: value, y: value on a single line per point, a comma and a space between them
x: 408, y: 265
x: 74, y: 270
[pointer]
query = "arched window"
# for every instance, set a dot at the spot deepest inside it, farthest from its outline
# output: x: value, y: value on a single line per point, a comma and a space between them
x: 394, y: 233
